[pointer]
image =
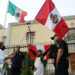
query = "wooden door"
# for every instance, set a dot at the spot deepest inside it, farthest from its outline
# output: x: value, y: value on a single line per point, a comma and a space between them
x: 72, y: 61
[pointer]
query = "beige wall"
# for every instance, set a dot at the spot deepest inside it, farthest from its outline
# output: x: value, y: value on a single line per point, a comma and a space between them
x: 1, y: 33
x: 69, y: 21
x: 42, y: 34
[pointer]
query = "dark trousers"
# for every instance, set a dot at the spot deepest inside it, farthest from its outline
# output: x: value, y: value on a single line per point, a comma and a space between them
x: 60, y: 71
x: 62, y: 68
x: 15, y: 71
x: 5, y: 73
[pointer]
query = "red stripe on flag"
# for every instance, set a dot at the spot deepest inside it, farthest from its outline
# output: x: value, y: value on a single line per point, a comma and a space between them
x: 46, y: 48
x: 61, y: 28
x: 32, y: 56
x: 47, y: 7
x: 23, y: 14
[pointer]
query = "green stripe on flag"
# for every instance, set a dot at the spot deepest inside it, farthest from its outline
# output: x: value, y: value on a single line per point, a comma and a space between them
x: 11, y: 8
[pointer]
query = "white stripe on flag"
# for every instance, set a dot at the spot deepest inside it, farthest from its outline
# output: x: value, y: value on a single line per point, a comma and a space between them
x: 49, y: 23
x: 18, y: 12
x: 41, y: 48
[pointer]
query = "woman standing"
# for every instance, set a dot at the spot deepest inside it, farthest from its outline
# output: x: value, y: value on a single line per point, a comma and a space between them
x: 39, y: 62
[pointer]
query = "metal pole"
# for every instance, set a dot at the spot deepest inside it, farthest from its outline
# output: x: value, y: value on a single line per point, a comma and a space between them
x: 16, y: 47
x: 5, y: 20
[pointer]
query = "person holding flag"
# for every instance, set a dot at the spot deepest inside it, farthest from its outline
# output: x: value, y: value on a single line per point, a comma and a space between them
x: 17, y: 60
x: 39, y: 61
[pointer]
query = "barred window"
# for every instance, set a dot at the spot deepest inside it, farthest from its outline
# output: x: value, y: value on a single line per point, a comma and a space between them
x: 71, y: 34
x: 30, y: 36
x: 72, y: 24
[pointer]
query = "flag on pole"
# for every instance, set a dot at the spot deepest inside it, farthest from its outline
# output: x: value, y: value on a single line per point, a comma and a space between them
x: 43, y: 48
x: 50, y: 17
x: 17, y: 12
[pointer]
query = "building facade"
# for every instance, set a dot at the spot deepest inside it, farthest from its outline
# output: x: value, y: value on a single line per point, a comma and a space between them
x: 3, y: 34
x: 34, y: 33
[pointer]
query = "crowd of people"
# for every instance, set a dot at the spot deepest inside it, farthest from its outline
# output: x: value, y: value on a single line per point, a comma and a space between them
x: 58, y: 51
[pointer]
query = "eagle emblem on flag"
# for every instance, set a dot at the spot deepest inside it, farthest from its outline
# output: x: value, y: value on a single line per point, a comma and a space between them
x: 54, y: 18
x: 17, y: 15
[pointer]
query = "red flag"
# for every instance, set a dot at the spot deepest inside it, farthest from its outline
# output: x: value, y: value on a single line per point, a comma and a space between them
x: 23, y: 14
x: 36, y: 48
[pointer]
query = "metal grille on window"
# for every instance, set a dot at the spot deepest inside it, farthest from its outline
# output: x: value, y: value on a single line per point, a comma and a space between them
x: 30, y: 37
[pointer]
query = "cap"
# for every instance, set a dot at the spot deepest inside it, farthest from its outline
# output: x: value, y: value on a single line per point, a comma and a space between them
x: 53, y: 37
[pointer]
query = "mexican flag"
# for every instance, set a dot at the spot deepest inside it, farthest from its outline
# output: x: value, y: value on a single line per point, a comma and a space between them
x: 50, y: 17
x: 17, y: 12
x: 43, y: 48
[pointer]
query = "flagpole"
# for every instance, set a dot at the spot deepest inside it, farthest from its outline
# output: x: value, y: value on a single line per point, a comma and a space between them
x: 5, y: 20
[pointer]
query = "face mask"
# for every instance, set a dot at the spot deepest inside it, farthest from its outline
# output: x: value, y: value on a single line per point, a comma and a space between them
x: 3, y: 48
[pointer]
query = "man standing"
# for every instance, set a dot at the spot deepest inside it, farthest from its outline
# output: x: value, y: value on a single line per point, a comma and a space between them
x: 61, y: 61
x: 17, y: 60
x: 3, y: 58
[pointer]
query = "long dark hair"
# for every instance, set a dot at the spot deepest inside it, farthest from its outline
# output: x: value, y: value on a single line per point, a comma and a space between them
x: 2, y: 46
x: 41, y: 56
x: 39, y: 51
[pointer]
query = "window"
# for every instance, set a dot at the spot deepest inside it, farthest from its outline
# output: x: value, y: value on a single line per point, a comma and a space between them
x: 72, y: 46
x: 72, y: 24
x: 4, y: 38
x: 30, y: 37
x: 71, y: 34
